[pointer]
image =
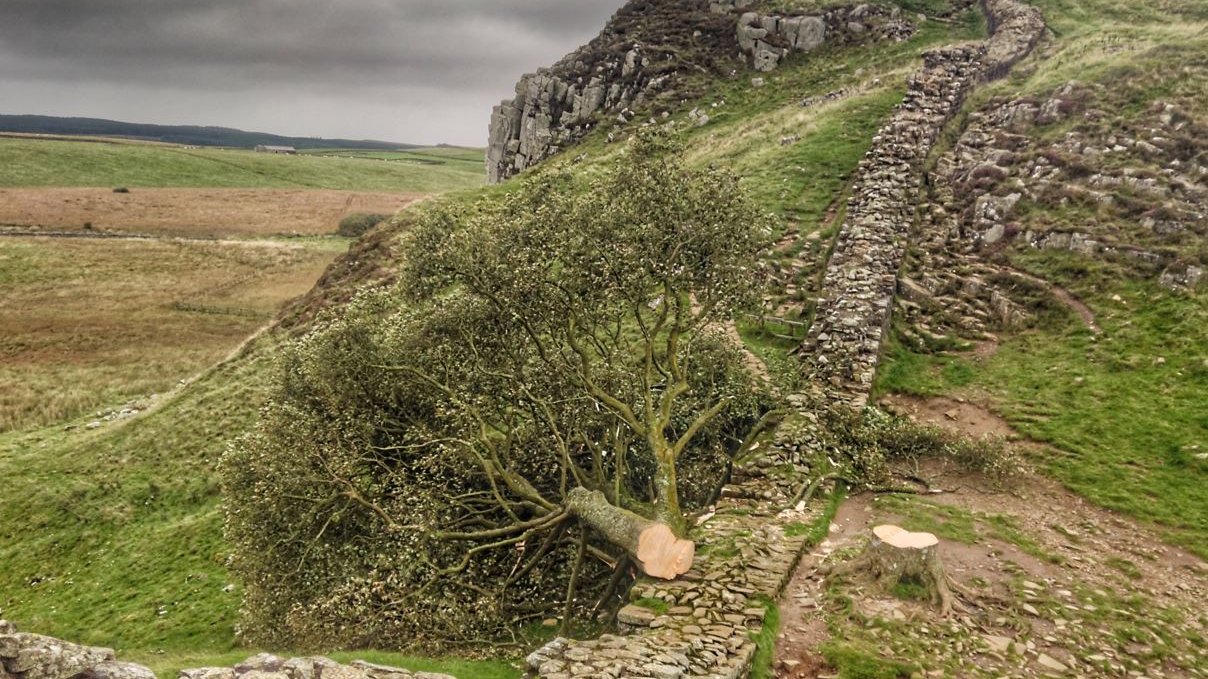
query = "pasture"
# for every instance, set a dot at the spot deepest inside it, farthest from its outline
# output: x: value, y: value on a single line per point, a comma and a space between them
x: 28, y: 162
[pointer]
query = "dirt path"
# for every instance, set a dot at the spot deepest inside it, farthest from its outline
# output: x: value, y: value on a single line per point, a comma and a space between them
x: 1062, y: 580
x: 193, y: 213
x: 753, y: 363
x: 1064, y: 296
x: 971, y: 419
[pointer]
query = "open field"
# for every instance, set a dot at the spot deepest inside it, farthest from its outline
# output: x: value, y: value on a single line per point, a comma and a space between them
x: 191, y: 213
x: 91, y: 322
x: 33, y: 162
x: 436, y: 155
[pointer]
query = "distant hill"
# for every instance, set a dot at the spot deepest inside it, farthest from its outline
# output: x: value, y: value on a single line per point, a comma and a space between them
x: 180, y: 134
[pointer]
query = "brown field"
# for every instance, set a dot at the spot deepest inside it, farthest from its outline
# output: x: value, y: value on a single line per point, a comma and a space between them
x: 91, y: 323
x: 191, y: 213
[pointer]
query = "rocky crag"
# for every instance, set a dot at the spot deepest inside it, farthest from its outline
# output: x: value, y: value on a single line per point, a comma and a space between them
x: 768, y: 39
x: 642, y: 63
x: 852, y: 316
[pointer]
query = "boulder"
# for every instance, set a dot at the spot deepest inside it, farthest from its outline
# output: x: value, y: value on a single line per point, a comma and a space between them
x: 116, y: 670
x: 207, y: 673
x: 38, y: 657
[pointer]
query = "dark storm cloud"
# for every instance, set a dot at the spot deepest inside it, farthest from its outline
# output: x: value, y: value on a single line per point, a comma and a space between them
x: 430, y: 53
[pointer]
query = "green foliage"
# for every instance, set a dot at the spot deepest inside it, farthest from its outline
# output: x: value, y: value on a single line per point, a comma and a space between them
x: 407, y: 482
x: 866, y: 444
x: 359, y: 223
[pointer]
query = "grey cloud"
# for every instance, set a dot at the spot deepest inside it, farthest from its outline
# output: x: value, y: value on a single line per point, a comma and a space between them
x: 467, y: 51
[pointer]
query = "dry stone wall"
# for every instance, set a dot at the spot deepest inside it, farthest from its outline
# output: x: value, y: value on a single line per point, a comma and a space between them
x: 269, y: 666
x: 33, y: 656
x: 853, y: 312
x: 1149, y: 201
x: 699, y: 625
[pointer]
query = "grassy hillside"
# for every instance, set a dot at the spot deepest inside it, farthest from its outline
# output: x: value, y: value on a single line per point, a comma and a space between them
x: 436, y: 155
x: 114, y: 535
x: 28, y: 162
x: 126, y: 515
x: 1125, y: 410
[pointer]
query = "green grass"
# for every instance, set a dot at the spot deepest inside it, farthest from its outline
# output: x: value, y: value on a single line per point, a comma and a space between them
x: 765, y: 640
x: 1127, y: 428
x: 28, y: 163
x: 649, y: 603
x: 114, y: 537
x: 439, y: 155
x: 960, y: 525
x: 853, y: 662
x: 801, y: 179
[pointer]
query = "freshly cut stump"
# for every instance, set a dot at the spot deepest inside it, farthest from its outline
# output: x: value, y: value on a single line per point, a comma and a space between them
x: 897, y: 555
x: 654, y: 546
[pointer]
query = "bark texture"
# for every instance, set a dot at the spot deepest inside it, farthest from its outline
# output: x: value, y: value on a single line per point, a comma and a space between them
x: 896, y: 555
x: 655, y: 546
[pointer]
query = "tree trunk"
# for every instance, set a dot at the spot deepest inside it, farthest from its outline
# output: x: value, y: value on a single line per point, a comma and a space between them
x: 896, y: 555
x: 653, y: 545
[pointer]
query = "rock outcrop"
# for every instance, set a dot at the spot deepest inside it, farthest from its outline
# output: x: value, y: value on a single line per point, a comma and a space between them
x: 641, y: 59
x: 643, y: 52
x: 996, y: 191
x: 768, y: 39
x: 852, y: 316
x: 33, y: 656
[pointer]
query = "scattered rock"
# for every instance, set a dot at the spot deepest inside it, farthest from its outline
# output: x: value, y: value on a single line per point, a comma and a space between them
x: 1049, y: 662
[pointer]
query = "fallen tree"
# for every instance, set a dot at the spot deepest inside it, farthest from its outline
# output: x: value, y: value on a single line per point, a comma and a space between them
x: 523, y: 420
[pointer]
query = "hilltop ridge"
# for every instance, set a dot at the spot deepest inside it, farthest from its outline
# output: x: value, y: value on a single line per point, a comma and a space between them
x: 192, y: 135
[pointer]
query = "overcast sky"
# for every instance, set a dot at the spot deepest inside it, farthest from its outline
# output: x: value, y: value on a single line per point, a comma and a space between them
x: 419, y: 71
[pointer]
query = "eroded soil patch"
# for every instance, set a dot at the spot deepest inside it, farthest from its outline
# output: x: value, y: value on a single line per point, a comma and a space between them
x: 1063, y: 588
